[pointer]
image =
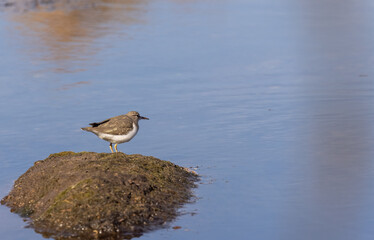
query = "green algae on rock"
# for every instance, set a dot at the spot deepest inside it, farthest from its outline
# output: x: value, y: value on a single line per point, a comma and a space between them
x: 99, y: 195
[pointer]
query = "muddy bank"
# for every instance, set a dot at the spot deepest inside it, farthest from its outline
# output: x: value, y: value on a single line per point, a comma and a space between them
x: 99, y: 195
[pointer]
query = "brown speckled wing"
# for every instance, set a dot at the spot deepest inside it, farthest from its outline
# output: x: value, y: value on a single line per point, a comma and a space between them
x: 95, y: 124
x: 119, y: 125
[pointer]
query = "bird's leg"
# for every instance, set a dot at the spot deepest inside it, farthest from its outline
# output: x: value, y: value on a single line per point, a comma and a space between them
x: 111, y: 149
x: 115, y: 147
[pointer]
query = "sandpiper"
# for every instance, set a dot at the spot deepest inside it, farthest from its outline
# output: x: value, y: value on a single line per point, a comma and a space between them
x: 118, y: 129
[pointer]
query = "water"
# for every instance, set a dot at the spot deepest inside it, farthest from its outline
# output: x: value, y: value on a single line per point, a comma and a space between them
x: 272, y: 101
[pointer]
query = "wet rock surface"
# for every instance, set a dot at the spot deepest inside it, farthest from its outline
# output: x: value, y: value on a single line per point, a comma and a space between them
x: 100, y: 195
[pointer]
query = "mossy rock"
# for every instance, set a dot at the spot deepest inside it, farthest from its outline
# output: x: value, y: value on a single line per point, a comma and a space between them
x: 100, y: 195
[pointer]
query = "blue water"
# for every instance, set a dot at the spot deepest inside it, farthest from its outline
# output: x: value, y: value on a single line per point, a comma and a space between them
x: 270, y: 101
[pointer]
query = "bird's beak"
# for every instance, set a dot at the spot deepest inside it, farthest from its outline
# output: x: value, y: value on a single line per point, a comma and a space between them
x: 140, y: 117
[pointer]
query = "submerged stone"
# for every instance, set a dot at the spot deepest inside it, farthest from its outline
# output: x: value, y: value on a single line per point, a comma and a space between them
x: 100, y: 195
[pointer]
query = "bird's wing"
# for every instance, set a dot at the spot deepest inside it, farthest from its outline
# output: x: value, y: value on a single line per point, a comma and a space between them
x: 95, y: 124
x: 117, y: 125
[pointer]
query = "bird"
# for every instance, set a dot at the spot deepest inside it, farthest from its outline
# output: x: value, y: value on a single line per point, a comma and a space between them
x: 117, y: 129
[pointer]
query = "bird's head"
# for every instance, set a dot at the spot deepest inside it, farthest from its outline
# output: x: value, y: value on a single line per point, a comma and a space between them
x: 135, y: 115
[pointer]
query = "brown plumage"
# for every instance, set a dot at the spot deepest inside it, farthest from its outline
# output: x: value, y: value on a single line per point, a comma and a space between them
x: 118, y: 129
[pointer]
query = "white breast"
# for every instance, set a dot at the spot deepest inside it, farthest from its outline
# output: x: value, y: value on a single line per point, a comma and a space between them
x: 119, y: 138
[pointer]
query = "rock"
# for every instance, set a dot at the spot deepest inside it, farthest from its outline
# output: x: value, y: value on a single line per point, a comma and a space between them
x: 100, y: 195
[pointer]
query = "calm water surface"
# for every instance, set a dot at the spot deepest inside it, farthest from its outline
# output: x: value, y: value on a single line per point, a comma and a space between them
x: 271, y: 100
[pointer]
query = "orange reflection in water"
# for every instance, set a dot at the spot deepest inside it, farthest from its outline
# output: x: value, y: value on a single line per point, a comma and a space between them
x: 65, y: 36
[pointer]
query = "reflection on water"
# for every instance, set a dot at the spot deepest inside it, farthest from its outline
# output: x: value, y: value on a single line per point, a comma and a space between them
x: 76, y: 84
x: 63, y: 33
x: 338, y: 128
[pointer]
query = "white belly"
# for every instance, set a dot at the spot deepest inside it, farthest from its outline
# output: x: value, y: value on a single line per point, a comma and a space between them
x: 119, y: 138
